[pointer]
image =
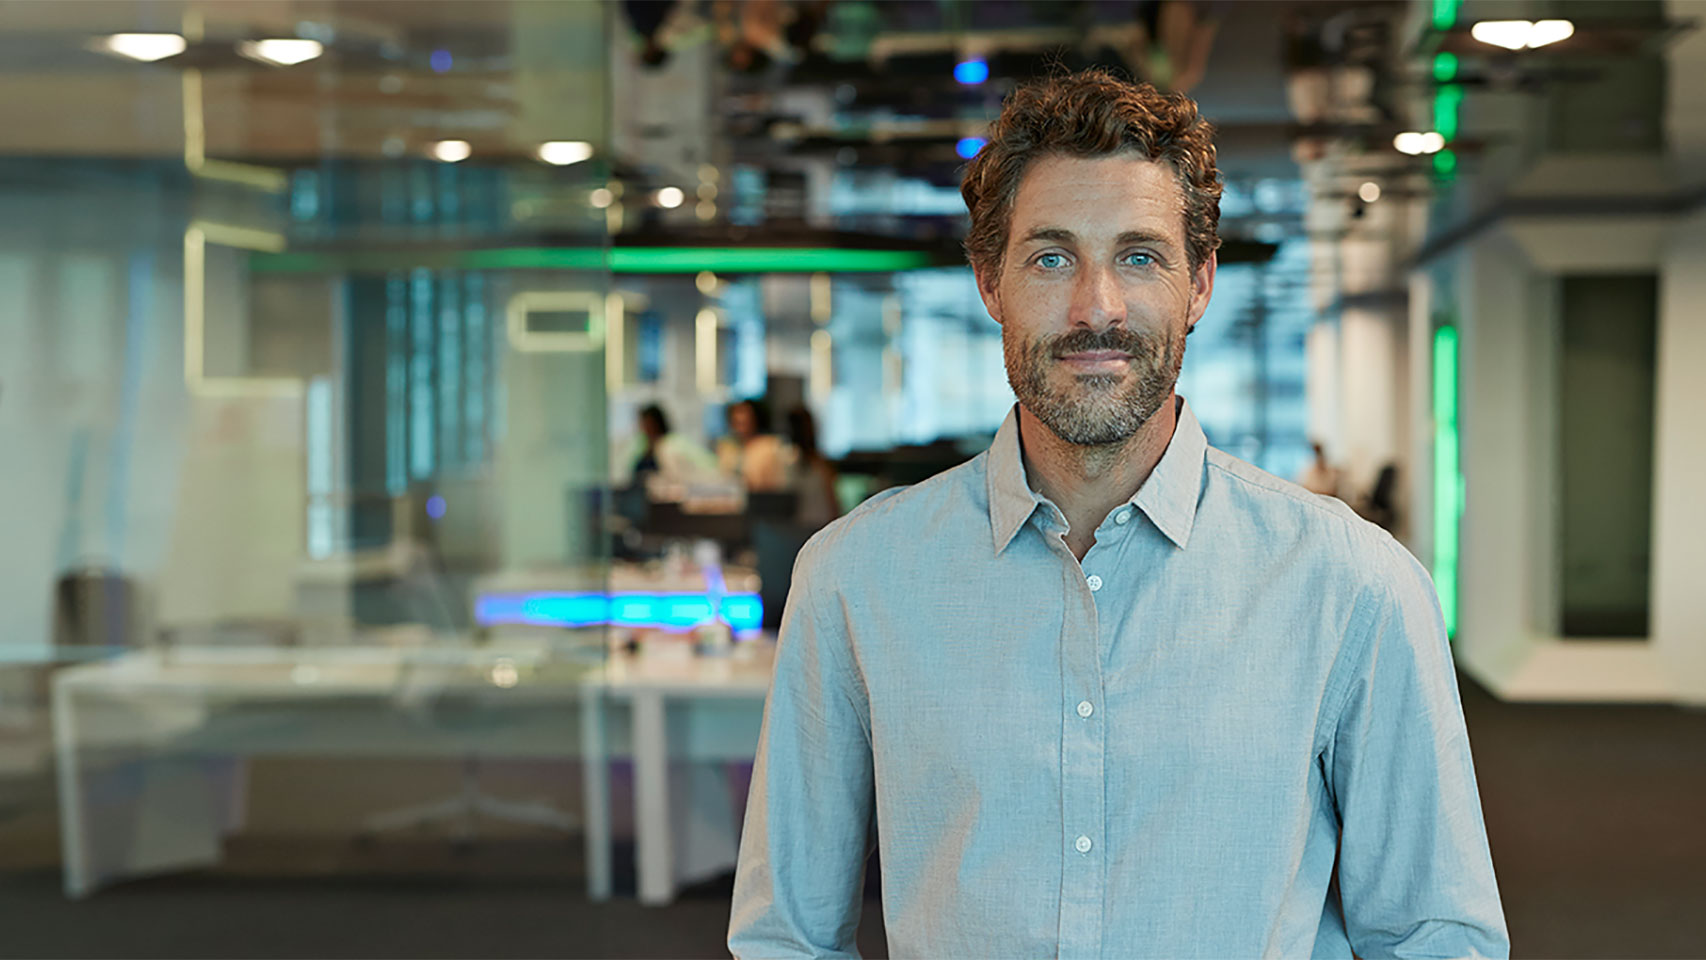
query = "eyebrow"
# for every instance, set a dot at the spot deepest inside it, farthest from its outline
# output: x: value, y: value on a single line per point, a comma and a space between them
x: 1062, y: 235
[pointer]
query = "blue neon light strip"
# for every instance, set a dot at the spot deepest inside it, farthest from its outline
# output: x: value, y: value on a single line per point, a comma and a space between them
x: 659, y: 611
x: 971, y: 72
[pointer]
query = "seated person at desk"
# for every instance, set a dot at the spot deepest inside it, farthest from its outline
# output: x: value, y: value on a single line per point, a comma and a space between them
x: 750, y: 453
x: 667, y: 455
x: 814, y: 475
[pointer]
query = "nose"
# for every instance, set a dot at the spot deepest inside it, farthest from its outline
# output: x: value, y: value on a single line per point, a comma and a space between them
x: 1097, y: 302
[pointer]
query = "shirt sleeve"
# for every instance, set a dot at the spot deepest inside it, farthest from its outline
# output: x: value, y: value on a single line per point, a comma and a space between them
x: 1415, y: 874
x: 807, y: 835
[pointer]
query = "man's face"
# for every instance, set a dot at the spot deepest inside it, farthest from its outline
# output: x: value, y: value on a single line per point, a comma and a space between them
x: 1095, y: 294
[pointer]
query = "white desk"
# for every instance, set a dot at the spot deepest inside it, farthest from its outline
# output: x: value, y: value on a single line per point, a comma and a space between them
x: 193, y: 711
x: 718, y: 706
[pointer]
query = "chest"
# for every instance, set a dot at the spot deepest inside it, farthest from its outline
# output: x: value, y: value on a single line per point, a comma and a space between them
x: 1172, y: 667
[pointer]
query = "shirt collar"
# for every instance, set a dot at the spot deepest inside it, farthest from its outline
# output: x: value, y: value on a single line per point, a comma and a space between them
x: 1168, y: 497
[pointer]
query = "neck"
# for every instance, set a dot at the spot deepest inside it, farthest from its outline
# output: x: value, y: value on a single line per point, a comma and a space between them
x: 1086, y: 482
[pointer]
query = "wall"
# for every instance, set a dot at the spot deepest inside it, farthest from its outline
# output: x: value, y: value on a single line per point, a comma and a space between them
x: 92, y: 405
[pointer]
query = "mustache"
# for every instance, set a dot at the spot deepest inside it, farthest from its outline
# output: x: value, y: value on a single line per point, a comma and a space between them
x: 1114, y: 338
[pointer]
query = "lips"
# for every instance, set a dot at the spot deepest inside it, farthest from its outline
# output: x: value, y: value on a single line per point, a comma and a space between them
x: 1097, y: 362
x: 1095, y: 356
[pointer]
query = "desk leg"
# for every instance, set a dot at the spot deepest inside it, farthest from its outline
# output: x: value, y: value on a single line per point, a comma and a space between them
x: 654, y: 845
x: 595, y: 786
x: 73, y: 837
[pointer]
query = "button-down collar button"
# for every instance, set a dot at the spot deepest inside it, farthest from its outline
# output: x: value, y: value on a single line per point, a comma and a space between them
x: 1122, y: 517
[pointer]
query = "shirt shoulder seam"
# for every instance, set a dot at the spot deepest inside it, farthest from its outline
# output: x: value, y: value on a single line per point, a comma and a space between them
x: 1354, y: 525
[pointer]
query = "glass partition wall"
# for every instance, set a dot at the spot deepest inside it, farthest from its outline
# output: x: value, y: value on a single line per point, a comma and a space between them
x: 307, y: 566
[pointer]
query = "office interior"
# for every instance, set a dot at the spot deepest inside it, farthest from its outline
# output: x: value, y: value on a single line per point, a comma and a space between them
x: 410, y: 412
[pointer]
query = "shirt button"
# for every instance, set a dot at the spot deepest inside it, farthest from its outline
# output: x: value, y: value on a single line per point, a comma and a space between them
x: 1122, y: 516
x: 1083, y: 845
x: 1085, y: 709
x: 1095, y: 582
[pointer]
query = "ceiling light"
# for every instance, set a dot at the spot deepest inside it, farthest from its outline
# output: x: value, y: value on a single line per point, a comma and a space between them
x: 1550, y: 31
x: 670, y: 197
x: 1369, y: 192
x: 1415, y: 144
x: 452, y: 151
x: 561, y: 153
x: 281, y: 53
x: 146, y: 47
x: 1510, y: 34
x: 1521, y: 34
x: 601, y: 198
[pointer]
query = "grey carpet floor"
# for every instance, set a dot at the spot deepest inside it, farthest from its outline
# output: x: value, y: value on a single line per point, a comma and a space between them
x: 1596, y: 814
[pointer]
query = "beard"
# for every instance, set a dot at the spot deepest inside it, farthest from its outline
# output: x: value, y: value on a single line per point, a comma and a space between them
x: 1094, y: 409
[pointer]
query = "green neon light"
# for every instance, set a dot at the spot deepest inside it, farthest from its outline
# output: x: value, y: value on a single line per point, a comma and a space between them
x: 1445, y: 13
x: 1445, y: 165
x: 1445, y: 67
x: 1448, y: 476
x: 762, y: 260
x: 614, y: 260
x: 1447, y: 103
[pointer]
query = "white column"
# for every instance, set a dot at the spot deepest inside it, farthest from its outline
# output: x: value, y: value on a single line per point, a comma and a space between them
x: 1368, y: 357
x: 1321, y: 386
x: 1679, y: 466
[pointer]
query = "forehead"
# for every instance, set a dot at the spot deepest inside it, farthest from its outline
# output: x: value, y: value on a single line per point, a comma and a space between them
x: 1099, y: 196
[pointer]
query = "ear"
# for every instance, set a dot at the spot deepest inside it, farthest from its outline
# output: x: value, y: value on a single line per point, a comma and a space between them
x: 1202, y: 287
x: 989, y: 288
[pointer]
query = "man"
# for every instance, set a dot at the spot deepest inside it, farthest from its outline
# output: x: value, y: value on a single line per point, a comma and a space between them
x: 1105, y: 690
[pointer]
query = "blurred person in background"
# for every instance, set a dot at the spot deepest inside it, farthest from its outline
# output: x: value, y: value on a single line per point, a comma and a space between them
x: 750, y: 453
x: 1320, y: 476
x: 1168, y: 43
x: 1106, y: 690
x: 665, y: 454
x: 814, y: 475
x: 1380, y: 507
x: 647, y: 17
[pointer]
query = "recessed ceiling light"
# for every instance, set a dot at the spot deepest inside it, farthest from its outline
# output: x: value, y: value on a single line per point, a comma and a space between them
x: 146, y: 47
x: 561, y: 153
x: 1416, y: 144
x: 1550, y: 31
x: 670, y: 197
x: 1369, y: 192
x: 281, y: 52
x: 1522, y: 34
x: 452, y: 151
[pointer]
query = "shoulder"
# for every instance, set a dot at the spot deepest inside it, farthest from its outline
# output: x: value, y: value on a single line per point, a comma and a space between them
x: 1309, y: 525
x: 950, y: 500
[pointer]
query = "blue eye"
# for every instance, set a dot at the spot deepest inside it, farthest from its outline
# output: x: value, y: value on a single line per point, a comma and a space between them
x: 1051, y: 261
x: 1138, y: 259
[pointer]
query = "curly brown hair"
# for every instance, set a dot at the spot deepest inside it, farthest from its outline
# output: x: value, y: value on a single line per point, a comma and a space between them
x: 1090, y: 114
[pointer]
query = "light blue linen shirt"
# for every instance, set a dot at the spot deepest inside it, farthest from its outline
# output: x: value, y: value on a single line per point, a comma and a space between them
x: 1163, y: 751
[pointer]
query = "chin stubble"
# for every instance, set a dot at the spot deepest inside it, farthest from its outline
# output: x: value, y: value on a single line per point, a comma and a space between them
x: 1094, y: 409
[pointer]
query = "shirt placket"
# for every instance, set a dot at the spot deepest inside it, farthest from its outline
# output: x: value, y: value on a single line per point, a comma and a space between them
x: 1082, y: 756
